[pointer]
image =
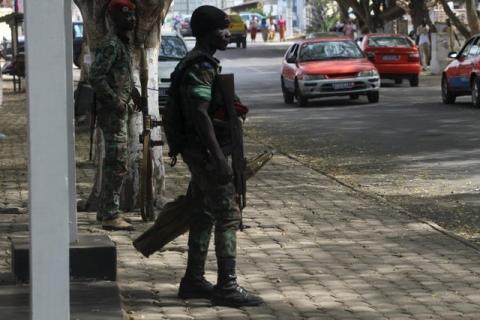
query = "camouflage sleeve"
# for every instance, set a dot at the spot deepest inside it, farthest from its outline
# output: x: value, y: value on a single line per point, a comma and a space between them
x: 104, y: 58
x: 199, y: 80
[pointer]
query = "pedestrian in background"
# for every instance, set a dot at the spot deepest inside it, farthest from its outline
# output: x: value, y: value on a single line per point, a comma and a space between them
x: 111, y: 78
x: 282, y: 27
x: 253, y: 28
x: 271, y: 29
x: 339, y: 26
x: 349, y: 29
x: 264, y: 29
x: 423, y: 33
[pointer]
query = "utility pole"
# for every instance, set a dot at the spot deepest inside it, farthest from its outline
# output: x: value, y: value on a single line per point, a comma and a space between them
x: 51, y: 165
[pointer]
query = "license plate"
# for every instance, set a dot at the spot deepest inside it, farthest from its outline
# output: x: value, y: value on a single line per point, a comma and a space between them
x: 343, y: 85
x: 391, y: 58
x: 162, y: 92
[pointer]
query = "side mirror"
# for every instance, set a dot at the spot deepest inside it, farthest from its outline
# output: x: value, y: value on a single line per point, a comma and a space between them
x: 453, y: 55
x: 291, y: 60
x: 371, y: 56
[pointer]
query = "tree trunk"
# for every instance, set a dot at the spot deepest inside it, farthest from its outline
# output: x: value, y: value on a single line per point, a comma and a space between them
x: 455, y: 20
x: 419, y: 13
x: 363, y: 10
x: 472, y: 16
x: 343, y: 8
x: 150, y: 14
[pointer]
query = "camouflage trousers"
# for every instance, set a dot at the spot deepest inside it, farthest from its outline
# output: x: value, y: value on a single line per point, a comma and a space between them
x: 218, y: 207
x: 114, y: 168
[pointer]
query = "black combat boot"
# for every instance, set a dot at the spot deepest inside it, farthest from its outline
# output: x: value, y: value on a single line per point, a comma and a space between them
x: 193, y: 284
x: 227, y: 292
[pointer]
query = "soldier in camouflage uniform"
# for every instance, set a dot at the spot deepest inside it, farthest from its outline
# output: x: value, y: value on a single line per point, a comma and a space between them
x: 211, y: 175
x: 111, y: 78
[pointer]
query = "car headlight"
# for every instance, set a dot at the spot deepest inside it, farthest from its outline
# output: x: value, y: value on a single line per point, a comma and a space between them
x: 369, y: 73
x: 312, y: 77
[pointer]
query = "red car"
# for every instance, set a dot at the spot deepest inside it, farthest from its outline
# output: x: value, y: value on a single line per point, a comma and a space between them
x: 462, y: 76
x: 329, y: 66
x: 395, y: 56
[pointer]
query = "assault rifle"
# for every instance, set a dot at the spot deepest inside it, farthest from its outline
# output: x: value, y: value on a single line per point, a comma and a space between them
x: 225, y: 85
x: 176, y: 216
x: 93, y: 120
x: 146, y: 179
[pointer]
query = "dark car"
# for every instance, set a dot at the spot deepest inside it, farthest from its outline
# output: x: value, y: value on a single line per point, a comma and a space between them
x: 12, y: 66
x: 77, y: 28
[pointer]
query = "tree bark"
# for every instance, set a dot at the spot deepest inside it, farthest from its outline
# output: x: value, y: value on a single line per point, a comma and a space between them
x: 150, y: 14
x: 455, y: 20
x: 472, y: 16
x: 363, y: 11
x: 419, y: 13
x: 343, y: 8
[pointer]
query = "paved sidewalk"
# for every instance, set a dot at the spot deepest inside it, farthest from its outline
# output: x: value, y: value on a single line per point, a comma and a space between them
x: 314, y: 250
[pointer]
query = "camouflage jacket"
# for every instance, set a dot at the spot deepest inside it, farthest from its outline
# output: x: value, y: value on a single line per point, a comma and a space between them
x: 111, y: 72
x: 197, y: 87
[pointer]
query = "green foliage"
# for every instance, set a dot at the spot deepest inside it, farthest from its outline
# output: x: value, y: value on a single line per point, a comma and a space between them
x: 258, y: 9
x: 324, y: 16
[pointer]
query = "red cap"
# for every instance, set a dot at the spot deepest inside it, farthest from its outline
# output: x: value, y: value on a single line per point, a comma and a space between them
x: 121, y: 3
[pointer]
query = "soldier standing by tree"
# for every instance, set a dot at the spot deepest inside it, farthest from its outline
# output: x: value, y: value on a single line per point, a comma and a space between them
x: 111, y: 78
x: 211, y: 175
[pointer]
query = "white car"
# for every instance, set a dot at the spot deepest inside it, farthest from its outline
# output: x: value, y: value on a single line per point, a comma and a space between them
x: 247, y: 17
x: 172, y: 49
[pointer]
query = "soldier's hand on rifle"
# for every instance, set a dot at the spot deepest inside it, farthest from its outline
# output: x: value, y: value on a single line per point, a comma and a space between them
x: 120, y: 107
x: 225, y: 173
x: 137, y: 99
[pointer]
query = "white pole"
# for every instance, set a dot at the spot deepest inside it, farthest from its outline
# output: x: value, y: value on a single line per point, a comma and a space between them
x: 49, y: 97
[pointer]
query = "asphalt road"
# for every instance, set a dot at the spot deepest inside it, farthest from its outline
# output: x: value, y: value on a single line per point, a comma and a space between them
x: 409, y: 148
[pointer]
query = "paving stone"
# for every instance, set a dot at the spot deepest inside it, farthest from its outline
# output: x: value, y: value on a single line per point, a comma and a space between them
x: 315, y: 249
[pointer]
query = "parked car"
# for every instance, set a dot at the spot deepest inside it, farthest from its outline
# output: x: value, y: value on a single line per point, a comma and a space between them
x: 77, y: 28
x: 238, y: 31
x: 462, y: 76
x: 326, y: 67
x: 395, y: 56
x: 314, y: 35
x: 172, y: 49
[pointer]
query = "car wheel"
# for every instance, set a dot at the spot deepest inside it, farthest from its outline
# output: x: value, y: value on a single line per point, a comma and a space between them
x: 244, y: 43
x: 373, y: 96
x: 398, y: 81
x: 354, y: 96
x: 414, y: 81
x: 288, y: 97
x: 302, y: 101
x: 238, y: 44
x: 447, y: 96
x: 476, y: 92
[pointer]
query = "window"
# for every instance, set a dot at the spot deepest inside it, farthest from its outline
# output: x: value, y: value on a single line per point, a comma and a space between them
x: 466, y: 49
x: 292, y: 53
x: 329, y: 50
x: 391, y: 42
x: 474, y: 49
x: 172, y: 48
x: 77, y: 30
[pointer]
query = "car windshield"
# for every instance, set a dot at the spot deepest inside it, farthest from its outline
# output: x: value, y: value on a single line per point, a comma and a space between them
x: 391, y: 42
x: 328, y: 50
x: 172, y: 48
x: 77, y: 30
